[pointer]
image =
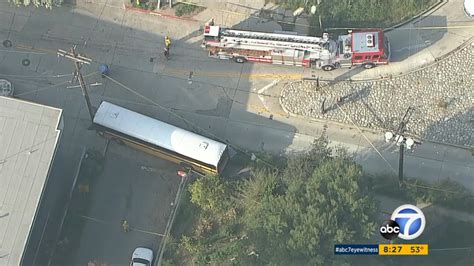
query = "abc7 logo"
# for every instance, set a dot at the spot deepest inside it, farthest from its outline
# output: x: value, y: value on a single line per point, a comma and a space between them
x: 390, y: 229
x: 407, y: 222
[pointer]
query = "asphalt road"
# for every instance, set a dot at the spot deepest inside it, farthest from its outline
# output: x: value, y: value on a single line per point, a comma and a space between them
x: 135, y: 187
x: 221, y: 101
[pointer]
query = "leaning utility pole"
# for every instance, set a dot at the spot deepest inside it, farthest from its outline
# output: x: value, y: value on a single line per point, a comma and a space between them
x: 400, y: 140
x: 78, y: 61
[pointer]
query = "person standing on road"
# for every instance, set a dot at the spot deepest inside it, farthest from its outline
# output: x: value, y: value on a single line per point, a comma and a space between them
x: 125, y: 226
x: 167, y: 41
x: 167, y: 46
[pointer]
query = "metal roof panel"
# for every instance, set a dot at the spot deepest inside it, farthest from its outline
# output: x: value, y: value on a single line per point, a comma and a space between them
x: 159, y: 133
x: 25, y: 159
x: 359, y: 43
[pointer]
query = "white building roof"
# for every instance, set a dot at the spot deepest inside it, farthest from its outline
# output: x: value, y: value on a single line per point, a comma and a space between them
x: 159, y: 133
x: 28, y: 137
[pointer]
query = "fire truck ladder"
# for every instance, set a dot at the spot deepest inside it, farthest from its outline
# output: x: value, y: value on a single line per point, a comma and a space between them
x: 274, y: 39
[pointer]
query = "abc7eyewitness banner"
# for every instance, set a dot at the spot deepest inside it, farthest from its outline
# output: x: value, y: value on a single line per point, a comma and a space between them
x: 406, y: 223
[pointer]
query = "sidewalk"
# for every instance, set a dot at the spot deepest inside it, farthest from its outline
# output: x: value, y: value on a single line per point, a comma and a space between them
x: 429, y: 162
x: 239, y: 125
x: 451, y: 29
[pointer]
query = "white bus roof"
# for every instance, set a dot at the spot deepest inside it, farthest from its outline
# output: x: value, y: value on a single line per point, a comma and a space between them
x: 159, y: 133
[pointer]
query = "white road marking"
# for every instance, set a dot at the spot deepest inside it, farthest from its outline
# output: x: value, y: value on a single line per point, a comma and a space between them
x: 262, y: 90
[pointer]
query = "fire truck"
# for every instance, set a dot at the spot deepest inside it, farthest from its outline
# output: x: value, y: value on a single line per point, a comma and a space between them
x: 366, y: 48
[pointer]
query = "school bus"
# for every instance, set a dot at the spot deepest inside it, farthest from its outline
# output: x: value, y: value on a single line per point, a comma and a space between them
x: 191, y: 151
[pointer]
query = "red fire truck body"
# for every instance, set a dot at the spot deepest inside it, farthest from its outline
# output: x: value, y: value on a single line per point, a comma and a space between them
x: 366, y: 48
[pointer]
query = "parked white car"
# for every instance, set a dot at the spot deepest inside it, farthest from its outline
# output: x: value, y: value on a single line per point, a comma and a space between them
x: 469, y: 8
x: 142, y: 257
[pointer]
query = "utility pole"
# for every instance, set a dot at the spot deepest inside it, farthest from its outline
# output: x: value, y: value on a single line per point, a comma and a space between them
x: 78, y: 61
x: 400, y: 165
x: 401, y: 141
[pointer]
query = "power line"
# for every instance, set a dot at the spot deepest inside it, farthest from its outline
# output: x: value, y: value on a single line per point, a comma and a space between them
x: 36, y: 77
x: 96, y: 23
x: 331, y: 28
x: 437, y: 189
x: 52, y: 86
x: 178, y: 72
x: 383, y: 158
x: 266, y: 162
x: 78, y: 61
x: 185, y: 120
x: 362, y: 133
x: 170, y: 110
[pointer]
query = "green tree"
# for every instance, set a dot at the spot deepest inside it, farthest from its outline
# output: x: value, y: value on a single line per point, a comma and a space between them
x: 358, y: 13
x: 291, y: 216
x: 209, y: 193
x: 296, y: 217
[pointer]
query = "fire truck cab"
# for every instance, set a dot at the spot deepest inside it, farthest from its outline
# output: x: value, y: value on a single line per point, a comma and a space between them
x: 366, y: 48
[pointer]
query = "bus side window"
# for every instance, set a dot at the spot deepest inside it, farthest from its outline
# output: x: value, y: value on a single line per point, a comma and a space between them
x: 376, y: 57
x: 359, y: 57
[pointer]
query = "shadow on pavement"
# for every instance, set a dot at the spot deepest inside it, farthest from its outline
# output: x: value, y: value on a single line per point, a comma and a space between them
x: 414, y: 37
x: 213, y: 103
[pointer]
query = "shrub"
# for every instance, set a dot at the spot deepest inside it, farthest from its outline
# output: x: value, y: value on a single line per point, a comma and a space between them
x: 444, y: 192
x: 186, y: 9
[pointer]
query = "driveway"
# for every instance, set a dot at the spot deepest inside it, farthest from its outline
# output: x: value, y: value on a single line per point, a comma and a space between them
x: 133, y: 186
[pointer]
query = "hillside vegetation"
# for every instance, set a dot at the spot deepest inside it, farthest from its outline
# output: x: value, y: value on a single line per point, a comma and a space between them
x: 359, y: 13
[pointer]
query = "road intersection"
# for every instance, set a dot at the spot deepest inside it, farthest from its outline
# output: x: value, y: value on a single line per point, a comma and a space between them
x: 223, y: 100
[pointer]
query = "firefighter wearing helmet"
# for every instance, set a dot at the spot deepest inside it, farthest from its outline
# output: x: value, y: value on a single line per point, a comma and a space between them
x: 167, y: 41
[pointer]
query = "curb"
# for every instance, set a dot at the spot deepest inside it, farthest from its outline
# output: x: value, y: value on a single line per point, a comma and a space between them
x: 326, y: 121
x: 436, y: 61
x: 68, y: 203
x: 374, y: 131
x: 156, y: 13
x: 430, y: 64
x: 415, y: 18
x: 429, y: 10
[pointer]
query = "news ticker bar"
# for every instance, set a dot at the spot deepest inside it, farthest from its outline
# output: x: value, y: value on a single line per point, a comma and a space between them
x: 382, y: 249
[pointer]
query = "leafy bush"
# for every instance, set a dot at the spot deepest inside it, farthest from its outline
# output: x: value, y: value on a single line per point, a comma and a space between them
x: 186, y: 9
x: 459, y: 198
x: 444, y: 192
x: 358, y: 13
